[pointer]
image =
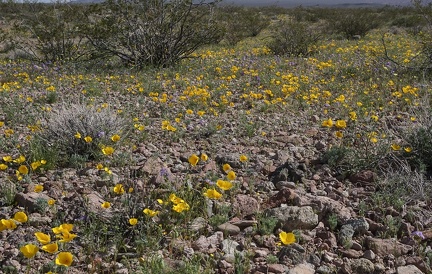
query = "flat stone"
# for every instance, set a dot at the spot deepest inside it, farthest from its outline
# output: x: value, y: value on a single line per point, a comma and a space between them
x: 29, y: 200
x: 229, y: 228
x: 302, y: 269
x: 294, y: 217
x: 384, y: 247
x: 351, y: 253
x: 408, y: 269
x: 277, y: 268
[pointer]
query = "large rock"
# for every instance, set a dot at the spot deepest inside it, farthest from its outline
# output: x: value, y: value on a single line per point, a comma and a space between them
x: 229, y: 228
x: 361, y: 266
x: 302, y: 269
x: 208, y: 244
x: 294, y: 217
x: 287, y: 172
x: 245, y: 205
x: 384, y: 247
x: 326, y: 206
x: 31, y: 201
x: 408, y: 269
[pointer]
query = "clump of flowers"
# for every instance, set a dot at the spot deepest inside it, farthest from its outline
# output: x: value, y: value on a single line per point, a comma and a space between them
x: 62, y: 232
x: 179, y: 204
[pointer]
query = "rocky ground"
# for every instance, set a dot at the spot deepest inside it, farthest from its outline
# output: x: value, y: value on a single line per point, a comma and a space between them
x: 284, y: 178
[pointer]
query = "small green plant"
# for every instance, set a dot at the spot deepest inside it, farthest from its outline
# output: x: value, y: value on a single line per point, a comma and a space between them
x: 272, y: 259
x: 338, y: 158
x: 332, y: 221
x: 8, y: 190
x: 241, y: 263
x: 266, y: 224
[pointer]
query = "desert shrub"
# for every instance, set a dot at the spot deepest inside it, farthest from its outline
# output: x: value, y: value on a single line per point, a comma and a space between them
x: 293, y: 38
x: 241, y: 22
x: 50, y: 34
x: 64, y: 133
x: 352, y: 22
x: 423, y: 60
x: 151, y: 33
x: 419, y: 138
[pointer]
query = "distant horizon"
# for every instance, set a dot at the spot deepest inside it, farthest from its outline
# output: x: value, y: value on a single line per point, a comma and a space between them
x: 294, y: 3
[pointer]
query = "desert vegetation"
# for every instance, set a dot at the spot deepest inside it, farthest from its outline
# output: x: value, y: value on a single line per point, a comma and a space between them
x: 186, y: 137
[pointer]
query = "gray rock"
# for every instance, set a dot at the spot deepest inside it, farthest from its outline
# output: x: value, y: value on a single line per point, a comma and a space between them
x: 294, y: 217
x: 285, y: 184
x: 361, y: 266
x: 345, y: 236
x: 229, y: 246
x: 302, y: 269
x: 360, y: 225
x: 198, y: 223
x: 35, y: 219
x: 224, y: 264
x: 408, y: 269
x: 326, y: 206
x: 314, y: 259
x: 230, y: 258
x: 205, y: 244
x: 324, y: 270
x: 369, y: 254
x: 291, y: 253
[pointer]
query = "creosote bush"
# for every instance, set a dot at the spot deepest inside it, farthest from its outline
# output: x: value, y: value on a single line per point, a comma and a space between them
x: 155, y: 33
x: 352, y: 23
x: 79, y: 131
x: 50, y: 34
x: 293, y: 38
x: 241, y: 22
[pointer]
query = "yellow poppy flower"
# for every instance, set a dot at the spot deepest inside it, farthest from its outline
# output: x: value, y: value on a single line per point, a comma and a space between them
x: 224, y: 185
x: 64, y: 258
x: 133, y: 221
x: 231, y: 175
x: 29, y: 250
x: 193, y: 160
x: 287, y: 238
x: 212, y: 194
x: 20, y: 217
x: 43, y: 238
x: 50, y: 248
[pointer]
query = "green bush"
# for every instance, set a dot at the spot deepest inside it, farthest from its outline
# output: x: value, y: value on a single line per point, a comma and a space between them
x: 51, y: 34
x: 352, y: 23
x: 293, y: 38
x: 151, y: 33
x: 240, y: 23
